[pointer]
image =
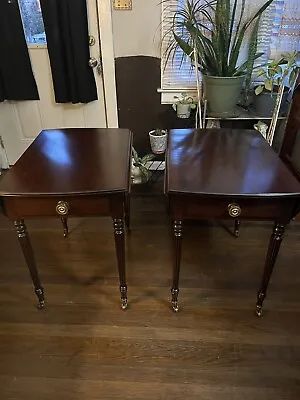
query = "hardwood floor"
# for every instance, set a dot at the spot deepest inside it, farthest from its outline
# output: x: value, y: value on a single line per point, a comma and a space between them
x: 83, y: 346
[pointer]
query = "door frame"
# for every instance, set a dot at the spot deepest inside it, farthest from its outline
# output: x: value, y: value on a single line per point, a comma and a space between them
x: 104, y: 8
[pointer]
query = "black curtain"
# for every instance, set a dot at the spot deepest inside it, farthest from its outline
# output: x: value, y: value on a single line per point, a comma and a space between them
x: 16, y: 77
x: 66, y: 28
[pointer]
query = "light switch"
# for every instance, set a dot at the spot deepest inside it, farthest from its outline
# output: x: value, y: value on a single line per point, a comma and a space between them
x: 123, y: 4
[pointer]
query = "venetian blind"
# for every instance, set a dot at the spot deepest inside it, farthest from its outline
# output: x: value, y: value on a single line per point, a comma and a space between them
x: 279, y: 32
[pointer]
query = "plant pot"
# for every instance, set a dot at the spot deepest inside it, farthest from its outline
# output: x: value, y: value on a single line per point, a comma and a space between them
x: 222, y: 94
x: 183, y: 110
x: 264, y: 104
x: 158, y: 142
x: 136, y: 175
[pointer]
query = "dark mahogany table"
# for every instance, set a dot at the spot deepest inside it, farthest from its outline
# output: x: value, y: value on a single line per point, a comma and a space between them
x: 71, y: 172
x: 223, y: 174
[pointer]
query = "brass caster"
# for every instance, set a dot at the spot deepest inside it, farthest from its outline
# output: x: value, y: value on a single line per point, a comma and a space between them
x: 41, y: 305
x: 124, y: 304
x: 175, y: 307
x: 259, y: 311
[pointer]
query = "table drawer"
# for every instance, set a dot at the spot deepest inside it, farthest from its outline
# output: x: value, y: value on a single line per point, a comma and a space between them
x: 19, y: 207
x: 189, y: 207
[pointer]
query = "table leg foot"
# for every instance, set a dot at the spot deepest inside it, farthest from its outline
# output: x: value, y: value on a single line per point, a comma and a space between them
x: 237, y: 224
x: 259, y: 304
x: 124, y: 300
x: 41, y: 298
x: 64, y: 222
x: 30, y: 261
x: 259, y: 311
x: 175, y: 306
x: 273, y: 251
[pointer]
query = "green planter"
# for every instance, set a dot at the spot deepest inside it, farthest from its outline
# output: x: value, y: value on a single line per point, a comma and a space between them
x: 222, y: 94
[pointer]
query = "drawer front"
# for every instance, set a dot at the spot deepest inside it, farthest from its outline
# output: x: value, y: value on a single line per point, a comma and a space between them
x: 19, y: 207
x: 189, y: 207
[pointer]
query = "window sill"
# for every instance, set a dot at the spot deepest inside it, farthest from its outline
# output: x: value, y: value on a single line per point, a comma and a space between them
x: 37, y: 46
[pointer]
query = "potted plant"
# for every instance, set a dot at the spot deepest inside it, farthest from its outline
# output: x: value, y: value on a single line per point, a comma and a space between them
x: 139, y: 170
x: 274, y: 75
x: 158, y: 140
x: 183, y: 106
x: 211, y: 34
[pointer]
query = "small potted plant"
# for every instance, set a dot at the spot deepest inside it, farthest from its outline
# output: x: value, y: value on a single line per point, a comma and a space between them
x: 183, y: 106
x: 158, y: 140
x: 275, y: 75
x: 139, y: 170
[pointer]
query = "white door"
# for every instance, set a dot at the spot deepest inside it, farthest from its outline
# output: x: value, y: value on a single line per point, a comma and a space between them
x: 20, y: 122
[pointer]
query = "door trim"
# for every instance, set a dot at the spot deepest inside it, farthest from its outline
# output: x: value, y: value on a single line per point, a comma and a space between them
x: 108, y: 61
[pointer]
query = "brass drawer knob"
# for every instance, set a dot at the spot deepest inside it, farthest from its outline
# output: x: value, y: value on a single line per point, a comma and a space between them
x: 62, y: 208
x: 234, y: 210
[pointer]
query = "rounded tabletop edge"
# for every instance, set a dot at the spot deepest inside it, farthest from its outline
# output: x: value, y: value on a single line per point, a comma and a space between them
x: 238, y: 195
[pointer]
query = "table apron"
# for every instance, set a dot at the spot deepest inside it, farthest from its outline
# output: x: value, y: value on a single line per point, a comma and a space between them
x: 192, y: 207
x: 78, y: 206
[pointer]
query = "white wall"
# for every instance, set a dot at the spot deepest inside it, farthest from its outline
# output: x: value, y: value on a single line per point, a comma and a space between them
x: 137, y: 32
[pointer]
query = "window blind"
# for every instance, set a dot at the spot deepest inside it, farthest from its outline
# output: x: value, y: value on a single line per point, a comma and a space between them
x: 279, y: 32
x: 176, y: 74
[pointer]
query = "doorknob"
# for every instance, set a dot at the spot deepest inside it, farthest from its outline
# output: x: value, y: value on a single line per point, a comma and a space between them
x: 93, y: 62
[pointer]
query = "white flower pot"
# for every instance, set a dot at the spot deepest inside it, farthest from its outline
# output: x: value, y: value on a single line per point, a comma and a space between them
x: 183, y: 110
x: 158, y: 143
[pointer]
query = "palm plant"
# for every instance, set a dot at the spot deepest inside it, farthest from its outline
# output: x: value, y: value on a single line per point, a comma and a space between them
x: 208, y: 29
x: 211, y: 33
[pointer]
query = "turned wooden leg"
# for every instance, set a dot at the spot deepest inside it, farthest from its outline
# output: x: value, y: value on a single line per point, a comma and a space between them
x: 178, y: 231
x: 273, y: 250
x: 127, y: 212
x: 237, y: 224
x: 120, y: 249
x: 64, y: 221
x: 30, y: 261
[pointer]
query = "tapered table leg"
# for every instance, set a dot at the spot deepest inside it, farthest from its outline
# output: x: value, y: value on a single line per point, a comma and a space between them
x: 29, y: 258
x: 177, y: 231
x: 127, y: 212
x: 273, y: 250
x: 64, y: 221
x: 120, y: 249
x: 237, y: 224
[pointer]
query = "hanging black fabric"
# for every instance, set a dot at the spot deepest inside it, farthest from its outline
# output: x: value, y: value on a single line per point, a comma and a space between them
x: 66, y: 28
x: 16, y: 77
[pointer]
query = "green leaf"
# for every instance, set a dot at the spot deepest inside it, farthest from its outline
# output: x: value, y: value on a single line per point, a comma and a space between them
x: 147, y: 158
x: 145, y: 172
x: 135, y: 156
x: 252, y: 56
x: 241, y: 34
x: 185, y: 47
x: 269, y: 84
x: 259, y: 90
x: 261, y: 72
x: 244, y: 66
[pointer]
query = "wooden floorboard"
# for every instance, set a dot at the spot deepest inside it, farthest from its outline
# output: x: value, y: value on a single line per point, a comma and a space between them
x: 83, y: 346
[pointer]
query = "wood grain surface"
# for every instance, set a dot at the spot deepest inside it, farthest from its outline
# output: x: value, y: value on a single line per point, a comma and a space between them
x: 72, y: 161
x: 83, y: 347
x: 224, y: 162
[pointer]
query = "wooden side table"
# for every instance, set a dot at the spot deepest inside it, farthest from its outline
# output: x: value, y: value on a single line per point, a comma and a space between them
x: 228, y: 174
x: 66, y: 173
